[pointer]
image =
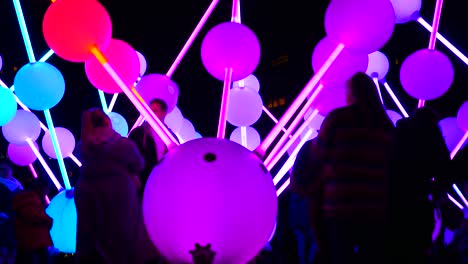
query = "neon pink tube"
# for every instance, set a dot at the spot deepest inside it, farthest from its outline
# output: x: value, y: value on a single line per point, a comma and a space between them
x: 224, y: 103
x: 44, y: 164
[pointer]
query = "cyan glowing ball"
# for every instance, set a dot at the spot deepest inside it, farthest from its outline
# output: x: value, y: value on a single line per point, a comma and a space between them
x: 71, y: 28
x: 174, y: 119
x: 25, y: 125
x: 252, y: 137
x: 426, y: 74
x: 230, y: 45
x: 344, y: 67
x: 378, y: 65
x: 160, y: 86
x: 187, y: 130
x: 329, y: 98
x: 452, y: 132
x: 66, y: 142
x: 250, y: 82
x: 143, y: 64
x: 394, y: 116
x: 462, y: 116
x: 245, y: 107
x: 62, y: 210
x: 9, y: 106
x: 363, y: 25
x: 21, y: 155
x: 39, y: 85
x: 119, y: 124
x: 123, y: 59
x: 406, y: 10
x: 212, y: 191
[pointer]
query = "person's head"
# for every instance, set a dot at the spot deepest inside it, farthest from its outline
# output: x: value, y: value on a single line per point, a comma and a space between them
x: 37, y: 185
x: 360, y: 89
x: 95, y: 126
x: 5, y: 169
x: 159, y: 108
x: 426, y: 115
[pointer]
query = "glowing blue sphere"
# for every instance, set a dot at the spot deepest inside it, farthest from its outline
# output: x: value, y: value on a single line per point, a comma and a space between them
x: 25, y: 125
x: 252, y: 137
x: 406, y: 10
x: 62, y: 210
x: 1, y: 62
x: 39, y: 85
x: 8, y: 103
x: 187, y: 130
x: 378, y: 65
x: 119, y: 124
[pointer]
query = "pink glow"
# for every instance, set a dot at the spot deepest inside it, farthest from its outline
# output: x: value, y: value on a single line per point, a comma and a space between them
x: 376, y: 81
x: 459, y: 145
x: 455, y: 201
x: 191, y: 38
x: 244, y: 136
x: 44, y: 165
x: 224, y: 103
x: 273, y: 118
x: 395, y: 99
x: 236, y: 17
x: 33, y: 171
x: 435, y: 24
x: 283, y: 187
x: 421, y: 103
x: 298, y: 101
x: 455, y: 187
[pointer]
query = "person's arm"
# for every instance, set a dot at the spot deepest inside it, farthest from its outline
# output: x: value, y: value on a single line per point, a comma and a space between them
x: 30, y: 209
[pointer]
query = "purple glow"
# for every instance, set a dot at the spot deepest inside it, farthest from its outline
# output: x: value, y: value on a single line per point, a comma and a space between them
x: 455, y: 187
x: 245, y: 107
x: 426, y: 74
x: 394, y: 116
x: 395, y: 99
x: 405, y: 10
x: 316, y: 122
x: 251, y: 136
x: 306, y: 135
x: 143, y: 64
x: 459, y: 145
x: 451, y: 132
x: 378, y: 65
x: 250, y: 82
x: 454, y: 201
x: 44, y: 164
x: 23, y: 126
x: 377, y: 86
x: 21, y: 155
x: 206, y: 190
x: 34, y: 173
x: 462, y: 116
x: 160, y: 86
x: 435, y: 24
x: 363, y: 25
x: 174, y: 119
x: 187, y: 130
x: 230, y: 45
x: 329, y: 99
x: 66, y: 139
x: 223, y: 113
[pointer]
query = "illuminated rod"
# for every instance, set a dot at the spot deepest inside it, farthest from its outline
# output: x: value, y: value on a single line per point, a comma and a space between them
x: 455, y: 201
x: 290, y: 161
x: 444, y: 41
x: 191, y: 38
x: 459, y: 145
x: 3, y: 84
x: 224, y: 103
x: 24, y: 30
x: 57, y: 150
x: 44, y: 164
x: 72, y: 157
x: 141, y: 106
x: 102, y: 97
x: 460, y: 194
x: 260, y: 151
x: 283, y: 187
x: 112, y: 102
x: 376, y: 81
x: 138, y: 123
x: 46, y: 56
x: 33, y: 171
x: 291, y: 141
x: 273, y: 118
x: 244, y: 136
x: 395, y: 99
x: 236, y: 17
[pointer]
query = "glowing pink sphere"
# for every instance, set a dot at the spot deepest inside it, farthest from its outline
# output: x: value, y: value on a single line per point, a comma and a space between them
x: 462, y: 116
x: 251, y: 135
x: 25, y: 125
x: 160, y: 86
x: 245, y: 107
x: 363, y: 25
x: 21, y: 155
x: 452, y: 132
x: 212, y: 191
x: 426, y: 74
x: 344, y: 67
x: 66, y: 142
x: 71, y: 28
x: 123, y: 59
x: 230, y: 45
x: 378, y: 65
x: 330, y: 98
x: 406, y: 10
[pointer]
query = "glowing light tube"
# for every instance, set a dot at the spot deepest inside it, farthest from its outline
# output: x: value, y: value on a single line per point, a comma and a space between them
x: 273, y: 118
x: 283, y: 187
x: 260, y: 151
x: 44, y: 164
x: 376, y: 81
x: 455, y: 201
x: 72, y: 157
x: 24, y: 30
x: 395, y: 99
x: 46, y: 56
x: 459, y: 145
x: 235, y: 17
x: 224, y: 103
x: 102, y: 97
x: 455, y: 187
x: 33, y: 171
x: 138, y: 123
x: 244, y: 136
x: 112, y: 102
x: 3, y: 84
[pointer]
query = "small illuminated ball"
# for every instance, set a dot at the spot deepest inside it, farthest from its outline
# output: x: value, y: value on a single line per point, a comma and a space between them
x: 406, y: 10
x: 316, y: 122
x: 222, y: 195
x: 21, y: 155
x: 143, y: 64
x: 329, y: 98
x: 187, y: 130
x: 230, y: 45
x: 378, y: 65
x: 119, y: 124
x: 245, y: 107
x: 462, y: 116
x: 344, y: 67
x: 452, y: 132
x: 123, y: 59
x: 174, y: 119
x: 66, y: 142
x: 250, y: 82
x: 39, y: 85
x: 252, y: 137
x: 160, y: 86
x: 426, y: 74
x: 62, y: 210
x: 9, y: 106
x: 361, y: 25
x: 25, y: 125
x: 72, y: 28
x: 394, y: 116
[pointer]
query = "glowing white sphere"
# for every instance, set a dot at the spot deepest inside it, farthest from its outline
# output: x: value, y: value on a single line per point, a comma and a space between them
x: 66, y: 142
x: 245, y: 107
x: 452, y: 132
x: 174, y: 119
x: 252, y: 137
x: 210, y: 191
x: 250, y: 82
x: 25, y: 125
x: 186, y: 131
x: 378, y: 65
x: 119, y: 124
x: 62, y: 210
x: 462, y: 116
x: 394, y: 116
x: 21, y: 155
x: 143, y: 65
x: 406, y: 10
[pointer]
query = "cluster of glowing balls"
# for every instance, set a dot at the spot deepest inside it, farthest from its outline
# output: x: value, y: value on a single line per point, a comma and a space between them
x: 39, y: 85
x: 378, y: 65
x: 251, y: 135
x: 119, y: 124
x: 230, y: 45
x: 62, y: 210
x: 9, y: 106
x: 462, y: 116
x: 452, y: 132
x: 426, y: 74
x: 66, y: 141
x: 250, y: 82
x: 25, y: 125
x: 394, y: 116
x: 123, y: 59
x: 186, y: 131
x: 143, y: 64
x: 21, y: 155
x: 174, y: 119
x: 245, y: 107
x: 329, y: 98
x: 406, y: 10
x: 362, y: 25
x: 160, y: 86
x: 210, y: 200
x: 344, y: 67
x: 72, y: 28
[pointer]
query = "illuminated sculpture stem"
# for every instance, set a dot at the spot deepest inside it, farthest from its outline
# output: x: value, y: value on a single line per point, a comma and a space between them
x: 44, y: 164
x: 224, y: 103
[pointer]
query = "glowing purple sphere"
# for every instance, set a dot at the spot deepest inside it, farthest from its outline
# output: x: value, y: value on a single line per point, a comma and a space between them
x: 245, y: 107
x: 363, y: 25
x: 426, y: 74
x: 160, y: 86
x: 394, y: 116
x: 21, y: 155
x: 210, y: 191
x: 66, y: 142
x: 230, y: 45
x: 251, y: 135
x: 25, y: 125
x: 174, y: 119
x: 250, y: 82
x: 462, y: 116
x: 187, y: 130
x: 406, y: 10
x: 330, y: 98
x: 143, y: 64
x: 378, y: 65
x: 452, y: 132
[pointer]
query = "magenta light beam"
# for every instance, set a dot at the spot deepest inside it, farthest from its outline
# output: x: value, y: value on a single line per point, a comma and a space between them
x: 244, y: 136
x: 273, y: 118
x: 236, y: 17
x: 33, y: 171
x: 376, y: 81
x: 395, y: 99
x: 455, y: 201
x: 283, y: 187
x: 459, y: 145
x: 224, y: 103
x: 44, y: 164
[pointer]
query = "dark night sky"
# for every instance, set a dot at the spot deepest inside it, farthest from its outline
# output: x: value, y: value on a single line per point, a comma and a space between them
x: 287, y: 30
